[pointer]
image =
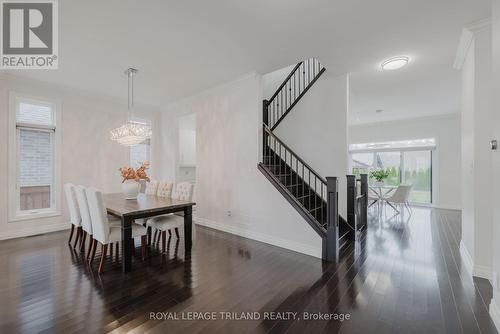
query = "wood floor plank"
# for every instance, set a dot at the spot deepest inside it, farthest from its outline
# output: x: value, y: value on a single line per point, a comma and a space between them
x: 404, y: 275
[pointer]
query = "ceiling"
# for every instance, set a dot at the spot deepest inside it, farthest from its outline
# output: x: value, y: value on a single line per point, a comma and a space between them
x: 184, y: 47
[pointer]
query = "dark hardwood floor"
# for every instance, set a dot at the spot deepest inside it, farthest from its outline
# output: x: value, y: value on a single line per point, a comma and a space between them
x: 402, y: 277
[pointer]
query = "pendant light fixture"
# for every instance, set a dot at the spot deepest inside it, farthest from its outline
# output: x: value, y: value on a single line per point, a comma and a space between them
x: 131, y: 133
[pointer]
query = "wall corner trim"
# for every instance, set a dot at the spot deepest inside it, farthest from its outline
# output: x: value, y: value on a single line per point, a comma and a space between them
x: 466, y: 39
x: 466, y: 258
x: 495, y: 313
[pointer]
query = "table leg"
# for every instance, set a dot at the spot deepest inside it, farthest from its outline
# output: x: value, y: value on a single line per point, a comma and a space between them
x: 188, y: 228
x: 127, y: 244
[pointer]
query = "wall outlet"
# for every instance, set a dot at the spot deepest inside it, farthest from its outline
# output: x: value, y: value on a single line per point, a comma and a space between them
x: 229, y: 214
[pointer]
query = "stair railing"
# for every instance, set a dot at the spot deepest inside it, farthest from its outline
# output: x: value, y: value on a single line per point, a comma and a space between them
x: 295, y: 85
x: 285, y: 157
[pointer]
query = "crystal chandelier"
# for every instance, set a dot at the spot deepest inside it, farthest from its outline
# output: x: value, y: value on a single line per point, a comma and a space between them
x: 131, y: 133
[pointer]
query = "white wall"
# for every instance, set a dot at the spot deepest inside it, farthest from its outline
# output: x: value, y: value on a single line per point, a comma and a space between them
x: 316, y: 129
x: 88, y: 156
x: 477, y: 123
x: 468, y: 183
x: 446, y: 158
x: 229, y: 120
x: 495, y: 157
x: 271, y: 81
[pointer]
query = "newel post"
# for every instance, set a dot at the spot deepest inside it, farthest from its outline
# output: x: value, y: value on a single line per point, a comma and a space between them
x: 351, y: 205
x: 330, y: 243
x: 364, y: 205
x: 265, y: 120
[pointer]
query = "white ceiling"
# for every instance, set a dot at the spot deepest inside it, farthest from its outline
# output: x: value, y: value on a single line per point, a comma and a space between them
x: 183, y: 47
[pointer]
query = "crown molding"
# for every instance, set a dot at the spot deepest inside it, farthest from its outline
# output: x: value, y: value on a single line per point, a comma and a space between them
x: 466, y: 39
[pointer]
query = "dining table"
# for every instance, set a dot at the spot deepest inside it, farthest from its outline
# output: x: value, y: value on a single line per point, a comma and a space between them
x: 380, y: 191
x: 146, y: 206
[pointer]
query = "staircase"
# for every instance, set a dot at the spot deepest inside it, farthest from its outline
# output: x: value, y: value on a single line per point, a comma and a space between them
x: 315, y: 198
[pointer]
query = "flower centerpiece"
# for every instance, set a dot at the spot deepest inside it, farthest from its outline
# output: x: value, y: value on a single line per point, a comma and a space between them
x: 131, y: 178
x: 379, y: 175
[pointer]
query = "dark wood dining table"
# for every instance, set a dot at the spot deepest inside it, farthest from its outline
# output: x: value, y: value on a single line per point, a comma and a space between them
x: 143, y: 207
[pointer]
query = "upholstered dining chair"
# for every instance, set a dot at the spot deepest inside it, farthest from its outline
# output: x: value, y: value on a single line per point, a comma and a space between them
x: 164, y: 191
x: 164, y: 223
x: 81, y: 198
x: 400, y: 197
x: 74, y: 212
x: 151, y: 187
x: 104, y: 232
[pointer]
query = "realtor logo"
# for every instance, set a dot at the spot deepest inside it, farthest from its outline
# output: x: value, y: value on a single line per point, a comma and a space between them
x: 29, y: 34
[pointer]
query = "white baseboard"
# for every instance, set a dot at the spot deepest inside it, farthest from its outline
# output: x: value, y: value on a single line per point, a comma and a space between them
x: 495, y: 314
x: 272, y: 240
x: 483, y: 272
x: 466, y: 258
x: 33, y: 231
x: 474, y: 269
x: 447, y: 207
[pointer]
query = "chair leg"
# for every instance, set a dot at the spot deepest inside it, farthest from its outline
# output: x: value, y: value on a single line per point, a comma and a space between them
x: 92, y: 256
x: 154, y: 237
x: 148, y: 229
x: 163, y: 240
x: 104, y: 251
x: 111, y: 251
x: 143, y: 246
x: 117, y: 256
x: 84, y: 238
x: 158, y: 240
x: 91, y: 242
x: 392, y: 206
x: 78, y: 233
x: 71, y: 234
x: 169, y: 233
x: 177, y: 233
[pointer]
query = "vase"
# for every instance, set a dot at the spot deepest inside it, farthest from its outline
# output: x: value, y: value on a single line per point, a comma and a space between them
x: 130, y: 189
x: 379, y: 183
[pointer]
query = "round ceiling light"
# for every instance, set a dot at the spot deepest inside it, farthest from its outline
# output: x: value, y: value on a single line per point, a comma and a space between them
x: 395, y: 63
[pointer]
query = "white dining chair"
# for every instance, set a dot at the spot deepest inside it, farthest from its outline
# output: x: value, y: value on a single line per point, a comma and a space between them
x: 103, y: 231
x: 151, y: 187
x: 400, y: 197
x: 164, y: 191
x: 74, y: 212
x: 81, y: 198
x: 164, y: 223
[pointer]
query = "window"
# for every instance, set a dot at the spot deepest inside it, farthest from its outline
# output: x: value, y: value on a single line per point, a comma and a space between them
x: 140, y: 152
x: 33, y: 163
x: 408, y: 162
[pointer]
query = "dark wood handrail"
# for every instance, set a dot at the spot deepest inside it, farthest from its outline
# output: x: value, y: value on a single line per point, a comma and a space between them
x: 282, y: 117
x: 268, y: 131
x: 285, y: 81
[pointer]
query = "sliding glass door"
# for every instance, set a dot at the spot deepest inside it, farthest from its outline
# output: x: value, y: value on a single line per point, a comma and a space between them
x: 417, y: 166
x: 404, y: 166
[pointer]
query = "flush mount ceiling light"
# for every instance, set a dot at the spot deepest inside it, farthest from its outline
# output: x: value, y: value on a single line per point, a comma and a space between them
x: 131, y: 133
x: 395, y: 63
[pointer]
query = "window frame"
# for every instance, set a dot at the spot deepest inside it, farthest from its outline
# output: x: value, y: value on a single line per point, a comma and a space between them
x: 14, y: 212
x: 144, y: 121
x: 402, y: 150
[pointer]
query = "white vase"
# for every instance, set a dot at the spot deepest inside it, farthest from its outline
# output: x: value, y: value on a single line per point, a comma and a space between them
x: 130, y: 189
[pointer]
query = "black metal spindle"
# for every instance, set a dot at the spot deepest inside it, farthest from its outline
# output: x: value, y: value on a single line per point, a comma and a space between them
x: 309, y: 190
x: 321, y: 199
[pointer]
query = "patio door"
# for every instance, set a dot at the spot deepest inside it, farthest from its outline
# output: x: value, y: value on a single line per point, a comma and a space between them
x: 411, y: 166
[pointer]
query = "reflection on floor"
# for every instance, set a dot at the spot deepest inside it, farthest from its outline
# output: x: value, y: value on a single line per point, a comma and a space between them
x: 405, y: 275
